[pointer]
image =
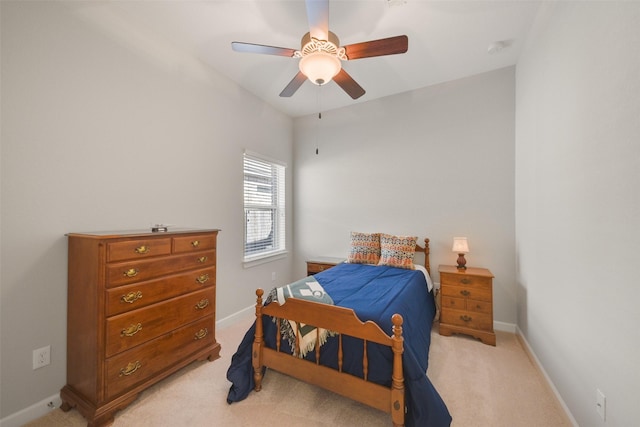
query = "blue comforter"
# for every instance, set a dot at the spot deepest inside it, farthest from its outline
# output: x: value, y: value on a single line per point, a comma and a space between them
x: 374, y: 293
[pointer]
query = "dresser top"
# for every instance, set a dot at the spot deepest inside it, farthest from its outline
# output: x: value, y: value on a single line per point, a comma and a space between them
x: 141, y: 233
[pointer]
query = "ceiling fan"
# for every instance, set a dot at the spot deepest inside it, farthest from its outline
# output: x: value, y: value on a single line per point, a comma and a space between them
x: 321, y: 55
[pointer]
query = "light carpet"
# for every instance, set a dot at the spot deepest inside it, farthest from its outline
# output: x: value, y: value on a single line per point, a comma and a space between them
x: 481, y: 385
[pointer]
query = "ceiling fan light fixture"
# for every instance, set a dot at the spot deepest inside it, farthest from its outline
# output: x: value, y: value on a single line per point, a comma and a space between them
x: 319, y: 67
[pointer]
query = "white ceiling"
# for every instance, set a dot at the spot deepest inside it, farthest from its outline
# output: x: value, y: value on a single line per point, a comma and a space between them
x: 447, y: 40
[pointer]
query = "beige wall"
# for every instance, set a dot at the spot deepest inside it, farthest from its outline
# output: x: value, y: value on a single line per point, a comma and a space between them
x: 578, y: 203
x: 436, y: 162
x: 105, y: 129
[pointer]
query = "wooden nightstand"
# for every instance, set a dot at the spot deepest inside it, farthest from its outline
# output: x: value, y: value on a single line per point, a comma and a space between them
x: 467, y: 302
x: 316, y: 265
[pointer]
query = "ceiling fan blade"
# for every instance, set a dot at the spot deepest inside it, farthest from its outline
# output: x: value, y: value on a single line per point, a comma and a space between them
x: 318, y: 16
x: 293, y: 85
x: 346, y: 82
x: 389, y: 46
x: 259, y: 48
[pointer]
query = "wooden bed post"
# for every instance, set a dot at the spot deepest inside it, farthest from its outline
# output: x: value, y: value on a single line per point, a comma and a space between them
x: 256, y: 355
x: 427, y: 264
x: 397, y: 383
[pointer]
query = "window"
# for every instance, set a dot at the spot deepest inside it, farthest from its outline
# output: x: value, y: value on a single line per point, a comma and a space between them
x: 264, y: 207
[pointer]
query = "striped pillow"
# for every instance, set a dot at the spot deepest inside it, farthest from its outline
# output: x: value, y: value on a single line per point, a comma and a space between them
x: 365, y: 248
x: 397, y: 251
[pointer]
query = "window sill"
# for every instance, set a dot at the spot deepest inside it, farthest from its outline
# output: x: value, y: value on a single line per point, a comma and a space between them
x: 263, y: 259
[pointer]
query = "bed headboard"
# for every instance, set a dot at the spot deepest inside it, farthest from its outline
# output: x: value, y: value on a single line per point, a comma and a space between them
x: 425, y: 250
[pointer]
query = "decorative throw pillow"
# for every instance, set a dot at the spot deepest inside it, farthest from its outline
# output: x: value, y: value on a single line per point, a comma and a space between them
x: 365, y: 248
x: 397, y: 251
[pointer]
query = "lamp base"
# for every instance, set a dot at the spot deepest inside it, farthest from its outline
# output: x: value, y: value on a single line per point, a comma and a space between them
x: 462, y: 262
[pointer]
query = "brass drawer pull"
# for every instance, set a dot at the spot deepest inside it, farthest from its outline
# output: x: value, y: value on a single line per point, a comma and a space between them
x: 203, y: 303
x: 466, y: 318
x: 202, y: 259
x: 465, y: 281
x: 131, y: 330
x: 465, y: 292
x: 130, y: 368
x: 142, y: 249
x: 202, y: 279
x: 195, y: 243
x: 131, y: 297
x: 200, y: 334
x: 132, y: 272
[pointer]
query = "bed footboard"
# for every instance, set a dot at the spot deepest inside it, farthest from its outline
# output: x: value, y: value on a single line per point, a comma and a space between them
x: 344, y: 322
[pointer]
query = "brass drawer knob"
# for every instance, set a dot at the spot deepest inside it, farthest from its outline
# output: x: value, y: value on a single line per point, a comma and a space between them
x: 131, y: 297
x: 202, y: 279
x: 132, y: 272
x: 141, y: 250
x: 202, y: 304
x: 195, y: 243
x: 131, y: 330
x: 465, y: 281
x: 465, y: 292
x: 130, y: 368
x: 466, y: 318
x: 202, y: 259
x: 201, y: 334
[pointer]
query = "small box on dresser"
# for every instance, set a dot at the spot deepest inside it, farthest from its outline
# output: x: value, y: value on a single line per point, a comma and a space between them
x: 140, y: 306
x: 467, y: 302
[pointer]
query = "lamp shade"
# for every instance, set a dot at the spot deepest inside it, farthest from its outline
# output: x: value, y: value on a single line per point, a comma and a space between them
x: 319, y: 67
x: 460, y: 245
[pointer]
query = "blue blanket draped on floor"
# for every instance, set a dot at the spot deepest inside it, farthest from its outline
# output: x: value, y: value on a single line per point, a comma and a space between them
x: 374, y: 293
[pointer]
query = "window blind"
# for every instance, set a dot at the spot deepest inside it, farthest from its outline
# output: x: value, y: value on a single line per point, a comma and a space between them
x: 264, y: 207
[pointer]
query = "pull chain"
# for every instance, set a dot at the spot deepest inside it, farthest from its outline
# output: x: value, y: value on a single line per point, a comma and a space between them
x: 319, y: 118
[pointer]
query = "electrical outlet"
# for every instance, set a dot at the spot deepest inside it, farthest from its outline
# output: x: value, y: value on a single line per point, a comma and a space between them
x: 601, y: 404
x: 41, y: 357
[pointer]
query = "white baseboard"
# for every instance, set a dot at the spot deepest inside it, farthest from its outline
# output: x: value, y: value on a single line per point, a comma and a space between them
x: 237, y: 316
x: 31, y: 413
x: 504, y: 326
x: 552, y: 386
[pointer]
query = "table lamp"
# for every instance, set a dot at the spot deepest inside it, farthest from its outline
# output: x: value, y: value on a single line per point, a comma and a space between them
x: 461, y: 247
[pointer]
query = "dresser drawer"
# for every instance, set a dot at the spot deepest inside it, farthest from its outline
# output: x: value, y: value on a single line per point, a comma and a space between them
x: 467, y: 319
x: 127, y: 330
x: 194, y: 243
x: 137, y: 271
x: 137, y: 249
x: 132, y: 367
x: 141, y: 294
x: 479, y: 294
x: 467, y: 281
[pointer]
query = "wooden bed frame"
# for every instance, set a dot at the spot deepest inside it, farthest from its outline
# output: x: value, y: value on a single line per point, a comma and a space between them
x: 343, y: 321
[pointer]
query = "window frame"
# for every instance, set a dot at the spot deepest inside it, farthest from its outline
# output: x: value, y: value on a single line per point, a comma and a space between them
x: 277, y: 207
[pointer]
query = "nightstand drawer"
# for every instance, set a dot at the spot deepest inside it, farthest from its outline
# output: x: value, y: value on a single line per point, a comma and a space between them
x: 479, y: 294
x: 467, y: 319
x: 467, y: 281
x: 320, y: 264
x: 313, y: 267
x: 450, y: 302
x: 479, y: 306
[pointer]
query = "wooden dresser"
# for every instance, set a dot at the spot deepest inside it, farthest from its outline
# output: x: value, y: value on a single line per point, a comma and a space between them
x: 467, y: 302
x: 140, y: 306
